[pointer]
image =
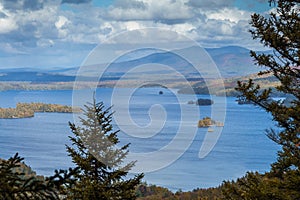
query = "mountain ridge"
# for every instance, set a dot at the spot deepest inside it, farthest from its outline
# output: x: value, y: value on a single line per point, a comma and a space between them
x: 231, y: 61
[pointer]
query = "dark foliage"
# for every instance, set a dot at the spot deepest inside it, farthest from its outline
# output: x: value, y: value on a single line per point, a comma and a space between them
x: 279, y: 31
x: 98, y: 174
x: 153, y: 192
x: 18, y: 182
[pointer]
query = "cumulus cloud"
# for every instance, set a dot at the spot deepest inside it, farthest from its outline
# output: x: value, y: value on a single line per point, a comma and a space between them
x: 34, y: 24
x: 62, y: 20
x: 231, y: 14
x: 7, y: 21
x: 7, y: 25
x: 167, y: 11
x: 24, y: 28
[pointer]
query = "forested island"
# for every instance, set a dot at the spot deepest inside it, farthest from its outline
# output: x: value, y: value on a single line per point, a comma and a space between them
x: 202, y: 102
x: 212, y: 86
x: 207, y: 122
x: 26, y: 110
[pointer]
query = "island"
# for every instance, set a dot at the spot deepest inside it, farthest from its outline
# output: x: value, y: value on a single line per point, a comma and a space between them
x: 241, y: 101
x: 26, y: 110
x: 208, y: 122
x: 202, y: 102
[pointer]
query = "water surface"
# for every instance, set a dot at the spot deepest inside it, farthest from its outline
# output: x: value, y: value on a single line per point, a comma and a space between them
x: 242, y: 146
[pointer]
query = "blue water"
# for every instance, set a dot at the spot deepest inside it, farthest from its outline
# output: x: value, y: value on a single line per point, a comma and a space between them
x: 242, y: 146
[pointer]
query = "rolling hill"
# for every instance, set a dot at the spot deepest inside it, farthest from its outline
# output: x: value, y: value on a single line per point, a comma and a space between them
x: 232, y: 61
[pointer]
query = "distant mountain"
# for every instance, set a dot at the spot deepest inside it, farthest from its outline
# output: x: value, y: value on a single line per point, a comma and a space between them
x: 166, y: 58
x: 22, y: 69
x: 34, y: 77
x: 136, y: 54
x: 41, y: 76
x: 232, y: 61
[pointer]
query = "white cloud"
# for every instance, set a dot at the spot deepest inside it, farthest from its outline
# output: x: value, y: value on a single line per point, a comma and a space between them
x: 133, y: 25
x: 90, y: 25
x: 61, y: 25
x: 7, y: 25
x: 232, y: 14
x: 212, y: 23
x: 62, y: 20
x: 166, y: 11
x: 7, y: 21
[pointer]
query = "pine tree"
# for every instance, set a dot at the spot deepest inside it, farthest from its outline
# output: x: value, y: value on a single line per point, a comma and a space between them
x: 279, y: 31
x: 98, y: 174
x: 18, y: 182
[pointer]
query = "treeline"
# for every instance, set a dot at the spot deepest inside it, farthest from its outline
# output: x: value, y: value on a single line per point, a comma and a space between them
x: 251, y: 186
x: 153, y: 192
x: 25, y: 110
x: 202, y: 87
x: 23, y: 85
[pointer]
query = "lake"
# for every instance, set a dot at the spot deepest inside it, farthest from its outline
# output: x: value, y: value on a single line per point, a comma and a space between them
x: 242, y: 146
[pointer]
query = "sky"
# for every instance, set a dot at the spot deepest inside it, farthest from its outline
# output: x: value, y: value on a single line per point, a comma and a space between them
x: 61, y: 33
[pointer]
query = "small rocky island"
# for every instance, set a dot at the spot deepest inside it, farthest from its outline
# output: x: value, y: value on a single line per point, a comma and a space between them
x: 202, y: 102
x: 243, y: 101
x: 207, y: 122
x: 26, y: 110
